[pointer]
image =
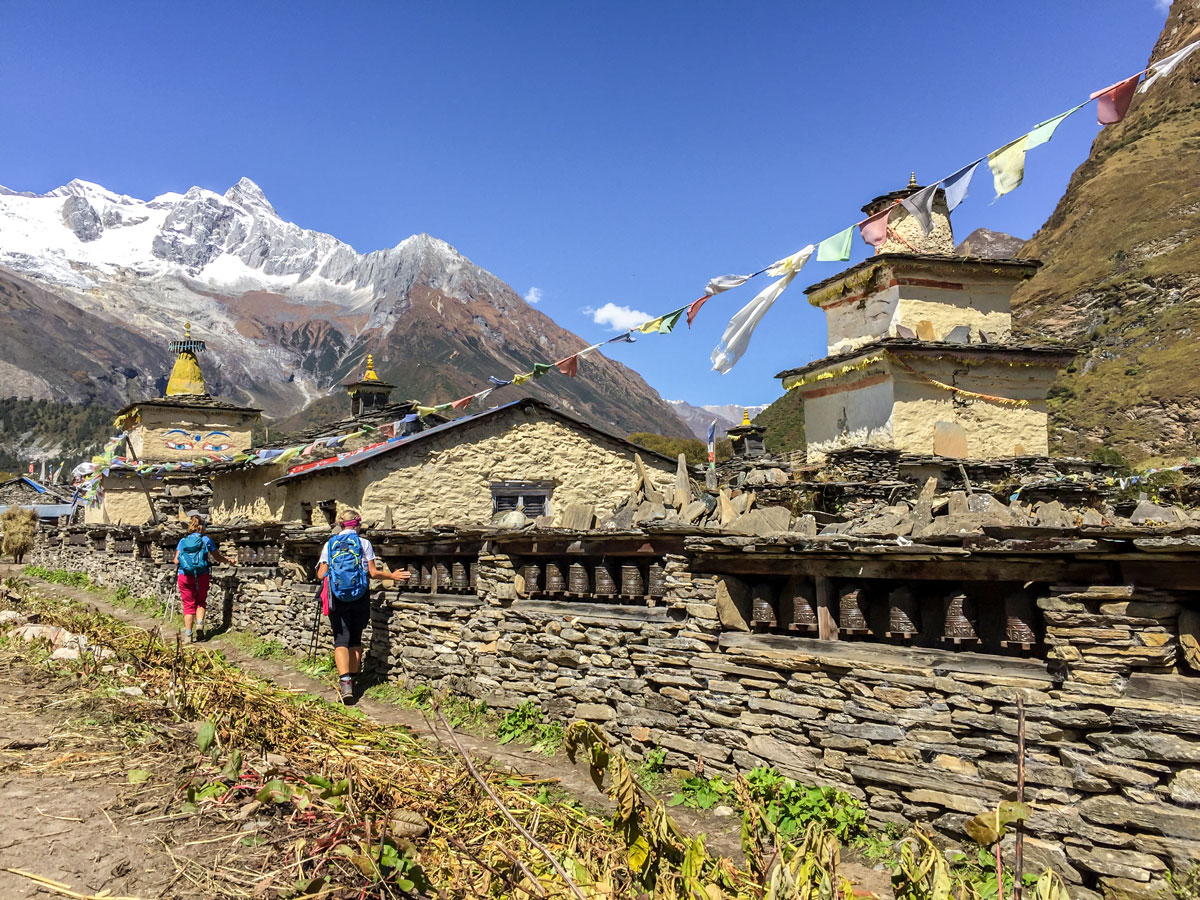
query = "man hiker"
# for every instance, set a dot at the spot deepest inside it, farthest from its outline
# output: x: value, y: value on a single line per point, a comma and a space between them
x: 348, y: 563
x: 194, y: 556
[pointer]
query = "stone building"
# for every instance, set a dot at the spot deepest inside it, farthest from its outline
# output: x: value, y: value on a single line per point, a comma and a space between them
x: 920, y: 351
x: 182, y: 426
x: 525, y: 456
x: 50, y: 503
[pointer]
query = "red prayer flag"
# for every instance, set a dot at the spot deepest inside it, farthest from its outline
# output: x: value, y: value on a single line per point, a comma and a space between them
x: 463, y: 403
x: 874, y: 229
x: 1115, y: 100
x: 569, y: 366
x: 695, y: 308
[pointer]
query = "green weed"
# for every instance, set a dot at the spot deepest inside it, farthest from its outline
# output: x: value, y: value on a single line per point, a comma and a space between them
x: 698, y: 792
x: 651, y: 770
x: 792, y: 806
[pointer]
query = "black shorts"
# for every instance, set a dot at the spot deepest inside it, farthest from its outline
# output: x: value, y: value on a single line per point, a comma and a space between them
x: 348, y: 620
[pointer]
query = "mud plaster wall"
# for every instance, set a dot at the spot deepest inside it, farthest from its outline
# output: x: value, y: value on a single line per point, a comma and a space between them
x: 980, y: 305
x: 993, y: 429
x: 1113, y: 776
x: 148, y: 438
x: 939, y: 240
x: 124, y: 503
x: 444, y: 479
x: 859, y: 417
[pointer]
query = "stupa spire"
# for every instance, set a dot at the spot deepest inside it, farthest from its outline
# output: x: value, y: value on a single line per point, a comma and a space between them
x: 186, y: 377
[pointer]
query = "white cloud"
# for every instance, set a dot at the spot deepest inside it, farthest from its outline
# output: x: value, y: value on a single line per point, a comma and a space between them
x: 1163, y: 6
x: 533, y: 296
x: 617, y: 318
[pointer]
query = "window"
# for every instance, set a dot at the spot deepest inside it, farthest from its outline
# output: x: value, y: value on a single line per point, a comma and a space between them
x: 531, y: 497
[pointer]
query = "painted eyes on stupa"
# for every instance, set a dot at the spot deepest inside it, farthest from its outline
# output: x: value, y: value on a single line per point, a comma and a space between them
x: 213, y: 442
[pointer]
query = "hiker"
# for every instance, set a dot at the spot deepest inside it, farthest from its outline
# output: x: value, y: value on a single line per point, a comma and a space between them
x: 348, y: 559
x: 194, y: 556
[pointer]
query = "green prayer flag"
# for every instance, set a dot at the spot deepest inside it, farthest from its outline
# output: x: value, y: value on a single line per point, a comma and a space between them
x: 442, y: 406
x: 836, y: 248
x: 1044, y: 131
x: 670, y: 320
x: 540, y: 369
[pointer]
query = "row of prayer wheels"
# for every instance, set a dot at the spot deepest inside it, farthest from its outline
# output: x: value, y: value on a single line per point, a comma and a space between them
x: 603, y: 579
x: 958, y: 620
x: 445, y: 576
x: 257, y: 554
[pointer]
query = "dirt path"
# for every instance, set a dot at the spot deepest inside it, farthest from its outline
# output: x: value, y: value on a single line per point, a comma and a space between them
x: 723, y: 832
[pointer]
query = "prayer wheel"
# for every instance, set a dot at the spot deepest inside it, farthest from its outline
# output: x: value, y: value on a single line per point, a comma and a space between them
x: 631, y: 581
x: 533, y: 578
x: 577, y: 579
x: 606, y: 585
x: 850, y: 614
x: 762, y: 607
x: 414, y: 577
x: 459, y: 580
x: 804, y: 616
x: 473, y: 576
x: 904, y: 617
x: 442, y: 571
x: 426, y: 577
x: 960, y: 619
x: 1018, y: 618
x: 554, y: 578
x: 656, y: 583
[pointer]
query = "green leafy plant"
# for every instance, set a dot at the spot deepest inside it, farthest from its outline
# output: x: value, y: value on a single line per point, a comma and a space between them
x: 792, y: 806
x: 1186, y: 884
x: 651, y: 770
x: 698, y: 792
x: 520, y: 722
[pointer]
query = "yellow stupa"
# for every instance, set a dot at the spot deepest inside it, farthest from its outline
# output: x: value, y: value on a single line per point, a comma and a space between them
x: 186, y: 378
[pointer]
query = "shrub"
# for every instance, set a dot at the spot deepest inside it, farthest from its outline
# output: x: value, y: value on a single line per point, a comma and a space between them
x: 19, y: 527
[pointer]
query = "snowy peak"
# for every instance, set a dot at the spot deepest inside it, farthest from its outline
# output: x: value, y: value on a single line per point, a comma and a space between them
x: 250, y: 197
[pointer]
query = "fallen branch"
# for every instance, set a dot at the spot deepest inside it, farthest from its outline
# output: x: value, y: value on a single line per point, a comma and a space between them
x: 59, y: 888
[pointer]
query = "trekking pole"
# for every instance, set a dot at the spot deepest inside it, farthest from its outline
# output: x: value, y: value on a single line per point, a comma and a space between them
x: 312, y: 643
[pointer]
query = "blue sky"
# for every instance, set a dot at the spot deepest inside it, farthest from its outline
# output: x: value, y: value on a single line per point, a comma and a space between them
x: 615, y: 153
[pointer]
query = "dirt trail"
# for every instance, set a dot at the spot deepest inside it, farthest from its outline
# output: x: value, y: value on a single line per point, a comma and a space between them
x: 723, y: 832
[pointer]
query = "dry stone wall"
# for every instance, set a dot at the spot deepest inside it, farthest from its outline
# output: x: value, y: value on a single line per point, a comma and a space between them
x: 1113, y: 734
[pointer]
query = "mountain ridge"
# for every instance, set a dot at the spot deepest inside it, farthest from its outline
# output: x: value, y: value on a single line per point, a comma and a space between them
x: 287, y: 312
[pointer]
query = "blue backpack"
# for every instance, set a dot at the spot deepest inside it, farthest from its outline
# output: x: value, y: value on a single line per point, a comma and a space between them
x: 347, y: 576
x: 193, y: 560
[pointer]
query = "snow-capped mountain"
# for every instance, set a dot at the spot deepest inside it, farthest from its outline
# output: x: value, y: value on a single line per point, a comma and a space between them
x: 698, y: 418
x: 94, y: 283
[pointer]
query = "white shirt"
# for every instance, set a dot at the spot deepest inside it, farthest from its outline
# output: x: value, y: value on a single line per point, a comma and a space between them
x: 368, y: 552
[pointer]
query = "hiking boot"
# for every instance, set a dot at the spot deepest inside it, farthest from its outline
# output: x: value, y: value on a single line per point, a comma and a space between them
x: 346, y: 690
x: 189, y: 636
x: 198, y: 634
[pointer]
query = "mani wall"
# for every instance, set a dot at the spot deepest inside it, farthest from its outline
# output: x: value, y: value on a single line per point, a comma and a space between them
x: 708, y: 647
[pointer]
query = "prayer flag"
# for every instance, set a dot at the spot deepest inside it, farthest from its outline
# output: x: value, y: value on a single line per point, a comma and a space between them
x: 423, y: 411
x: 442, y: 407
x: 724, y: 283
x: 1008, y: 166
x: 694, y: 308
x: 874, y: 228
x: 1164, y: 66
x: 920, y: 206
x: 670, y: 320
x: 497, y: 382
x: 483, y: 395
x: 569, y: 366
x: 521, y: 379
x: 790, y: 264
x: 835, y: 248
x: 1113, y: 102
x: 462, y: 402
x: 712, y: 444
x: 741, y: 327
x: 540, y: 369
x: 411, y: 417
x: 956, y: 185
x: 588, y: 351
x: 1045, y: 130
x: 627, y: 338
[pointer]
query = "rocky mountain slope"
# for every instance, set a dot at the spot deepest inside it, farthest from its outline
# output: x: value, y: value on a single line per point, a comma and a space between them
x: 93, y: 284
x: 698, y: 418
x: 1121, y: 278
x: 989, y: 244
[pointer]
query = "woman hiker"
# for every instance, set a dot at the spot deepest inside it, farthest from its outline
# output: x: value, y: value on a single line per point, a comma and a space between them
x: 194, y: 556
x: 348, y: 561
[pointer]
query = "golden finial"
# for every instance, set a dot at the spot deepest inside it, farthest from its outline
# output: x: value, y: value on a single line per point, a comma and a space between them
x: 912, y: 179
x: 187, y: 331
x: 370, y: 375
x: 745, y: 416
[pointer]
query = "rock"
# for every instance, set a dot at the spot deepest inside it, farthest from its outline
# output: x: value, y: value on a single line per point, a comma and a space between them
x: 805, y: 525
x: 987, y: 505
x: 65, y: 653
x: 11, y: 617
x: 742, y: 502
x: 652, y: 494
x: 595, y: 712
x: 683, y: 484
x: 777, y: 476
x: 510, y: 520
x: 693, y: 511
x: 578, y: 517
x: 887, y: 524
x: 762, y: 521
x: 1157, y: 818
x: 733, y: 603
x: 959, y: 505
x: 1129, y: 864
x: 1128, y: 889
x: 1189, y: 637
x: 1054, y: 515
x: 650, y: 511
x: 725, y: 506
x: 722, y: 811
x: 1148, y: 745
x: 710, y: 480
x: 1147, y: 513
x: 52, y: 634
x: 131, y: 691
x: 790, y: 759
x: 1185, y: 788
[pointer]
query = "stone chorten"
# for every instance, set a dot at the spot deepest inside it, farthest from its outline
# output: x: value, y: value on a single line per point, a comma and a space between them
x: 369, y: 392
x: 920, y: 351
x: 747, y: 438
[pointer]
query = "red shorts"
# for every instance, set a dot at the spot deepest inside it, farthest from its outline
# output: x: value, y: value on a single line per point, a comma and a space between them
x: 193, y: 590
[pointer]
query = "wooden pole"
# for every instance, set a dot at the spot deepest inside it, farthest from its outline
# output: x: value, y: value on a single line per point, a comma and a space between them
x: 1019, y: 843
x: 827, y: 629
